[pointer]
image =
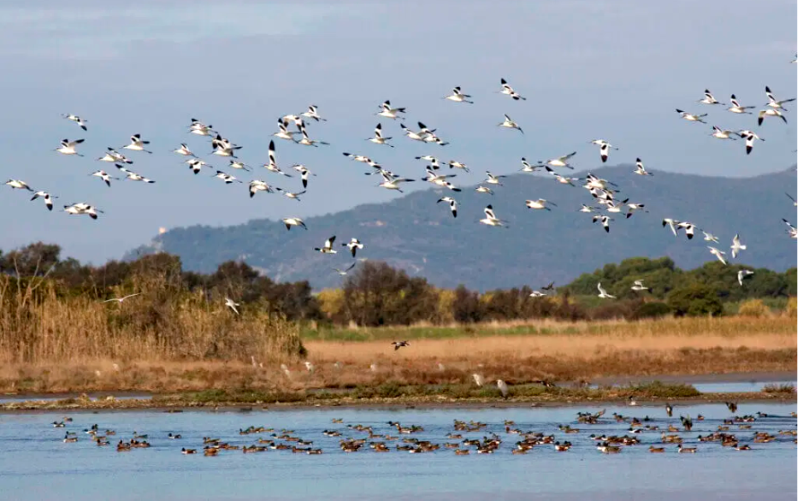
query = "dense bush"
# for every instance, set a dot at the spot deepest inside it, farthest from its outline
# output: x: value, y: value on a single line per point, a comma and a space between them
x: 694, y: 299
x: 652, y: 310
x: 376, y: 294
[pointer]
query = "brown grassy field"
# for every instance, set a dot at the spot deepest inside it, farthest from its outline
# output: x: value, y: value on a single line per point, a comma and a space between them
x: 558, y: 352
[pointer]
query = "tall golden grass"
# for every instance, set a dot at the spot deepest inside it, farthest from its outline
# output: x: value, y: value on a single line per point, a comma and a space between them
x: 170, y: 338
x: 165, y: 322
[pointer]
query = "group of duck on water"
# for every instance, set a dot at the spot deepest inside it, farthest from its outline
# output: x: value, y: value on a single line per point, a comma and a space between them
x: 462, y: 446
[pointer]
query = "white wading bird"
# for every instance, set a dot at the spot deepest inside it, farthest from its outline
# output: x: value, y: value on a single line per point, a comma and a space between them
x: 121, y: 299
x: 723, y: 134
x: 78, y: 120
x: 792, y: 230
x: 113, y: 155
x: 603, y: 220
x: 690, y: 117
x: 491, y: 219
x: 48, y: 199
x: 388, y: 112
x: 82, y: 208
x: 510, y: 124
x: 639, y: 286
x: 560, y: 161
x: 493, y: 179
x: 640, y: 168
x: 272, y: 166
x: 327, y: 248
x: 230, y: 303
x: 774, y: 103
x: 742, y: 275
x: 736, y: 246
x: 453, y: 204
x: 18, y: 184
x: 257, y: 185
x: 391, y: 183
x: 708, y: 98
x: 69, y: 147
x: 313, y: 113
x: 605, y: 147
x: 354, y: 245
x: 718, y: 253
x: 227, y: 178
x: 603, y: 294
x: 289, y: 194
x: 129, y: 174
x: 137, y: 144
x: 104, y: 176
x: 184, y: 150
x: 770, y: 112
x: 293, y: 221
x: 458, y: 96
x: 738, y: 108
x: 378, y: 138
x: 506, y: 89
x: 539, y: 204
x: 344, y: 271
x: 672, y: 224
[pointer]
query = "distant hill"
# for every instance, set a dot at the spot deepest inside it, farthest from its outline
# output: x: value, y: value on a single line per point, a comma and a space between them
x: 416, y: 234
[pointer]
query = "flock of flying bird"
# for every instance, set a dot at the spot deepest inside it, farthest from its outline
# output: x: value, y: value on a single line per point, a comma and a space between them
x: 605, y: 196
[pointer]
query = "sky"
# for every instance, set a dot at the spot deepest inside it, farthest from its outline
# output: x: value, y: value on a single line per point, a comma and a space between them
x: 613, y: 69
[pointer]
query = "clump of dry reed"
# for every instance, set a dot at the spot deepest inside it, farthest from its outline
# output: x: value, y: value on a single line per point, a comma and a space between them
x: 166, y: 322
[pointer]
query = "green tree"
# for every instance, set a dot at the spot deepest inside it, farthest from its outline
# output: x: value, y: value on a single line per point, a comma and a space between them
x: 694, y: 299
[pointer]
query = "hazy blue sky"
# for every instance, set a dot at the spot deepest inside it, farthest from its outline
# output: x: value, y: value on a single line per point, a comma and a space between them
x: 590, y: 69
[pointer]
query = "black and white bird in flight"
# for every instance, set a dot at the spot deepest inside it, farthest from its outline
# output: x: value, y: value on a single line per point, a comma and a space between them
x: 603, y: 221
x: 378, y: 137
x: 293, y: 221
x: 75, y: 118
x: 48, y: 199
x: 257, y: 185
x: 113, y: 155
x: 708, y: 98
x: 82, y: 208
x: 327, y: 248
x: 490, y: 219
x: 690, y: 117
x: 388, y: 112
x: 510, y: 124
x: 104, y: 176
x: 18, y: 184
x: 453, y: 204
x: 738, y: 108
x: 354, y: 245
x: 313, y: 112
x: 774, y: 103
x: 137, y: 144
x: 69, y: 147
x: 640, y: 168
x: 506, y: 89
x: 458, y: 96
x: 344, y: 271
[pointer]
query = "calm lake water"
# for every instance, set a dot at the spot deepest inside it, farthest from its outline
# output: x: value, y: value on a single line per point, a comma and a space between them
x: 36, y: 464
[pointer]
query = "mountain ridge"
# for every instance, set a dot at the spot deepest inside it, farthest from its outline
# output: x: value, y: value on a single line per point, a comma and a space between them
x: 540, y: 246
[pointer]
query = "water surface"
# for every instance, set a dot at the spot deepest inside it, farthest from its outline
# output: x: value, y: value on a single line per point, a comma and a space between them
x: 36, y: 464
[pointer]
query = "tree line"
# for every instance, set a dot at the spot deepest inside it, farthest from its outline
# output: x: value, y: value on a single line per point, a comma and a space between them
x: 376, y: 294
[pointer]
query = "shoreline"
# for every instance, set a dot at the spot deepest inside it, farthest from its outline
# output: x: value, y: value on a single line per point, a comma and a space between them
x: 732, y: 377
x: 164, y: 404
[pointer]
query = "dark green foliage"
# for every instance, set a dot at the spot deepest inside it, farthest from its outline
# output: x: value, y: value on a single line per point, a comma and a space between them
x: 652, y: 310
x: 694, y: 299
